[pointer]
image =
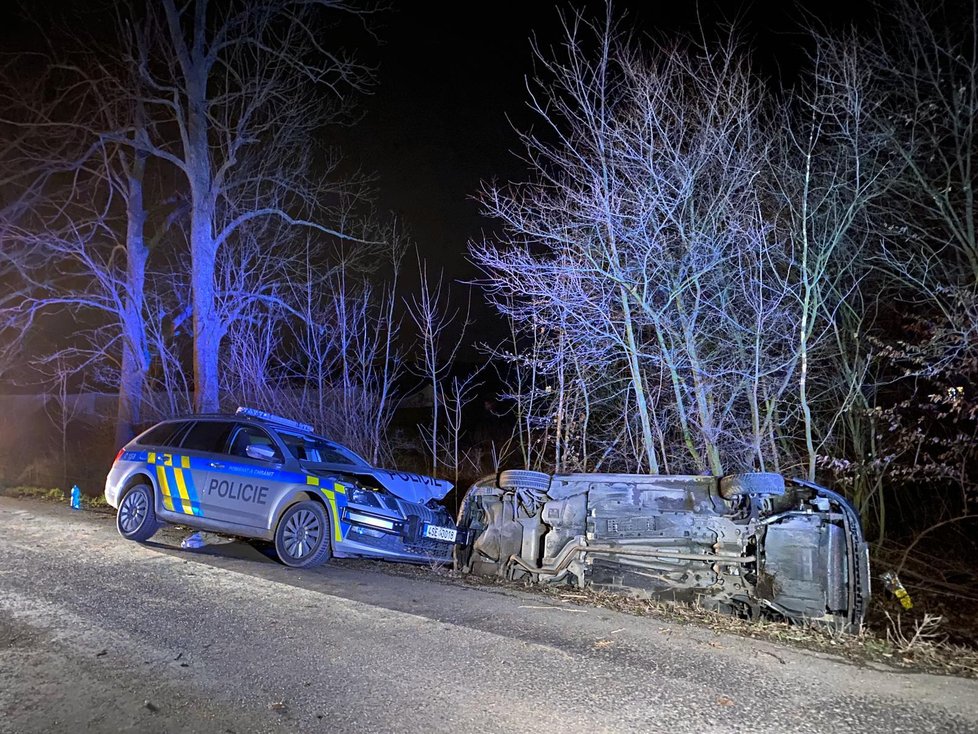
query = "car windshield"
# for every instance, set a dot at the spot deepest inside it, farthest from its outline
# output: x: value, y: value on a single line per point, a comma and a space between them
x: 316, y: 450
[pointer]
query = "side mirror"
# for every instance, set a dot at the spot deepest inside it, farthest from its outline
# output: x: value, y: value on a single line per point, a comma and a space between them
x: 257, y: 451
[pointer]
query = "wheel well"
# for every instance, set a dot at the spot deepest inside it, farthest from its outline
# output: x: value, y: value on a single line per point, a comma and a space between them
x: 138, y: 479
x: 302, y: 497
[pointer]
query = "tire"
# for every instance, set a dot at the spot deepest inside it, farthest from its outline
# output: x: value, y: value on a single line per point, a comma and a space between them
x: 136, y: 519
x: 524, y: 479
x: 302, y: 535
x: 756, y: 483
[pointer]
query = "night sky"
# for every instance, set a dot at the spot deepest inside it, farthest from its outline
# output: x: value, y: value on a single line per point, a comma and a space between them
x: 452, y: 76
x: 451, y: 82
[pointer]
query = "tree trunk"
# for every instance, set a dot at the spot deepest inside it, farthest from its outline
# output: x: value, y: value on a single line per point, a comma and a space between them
x: 131, y: 384
x: 638, y: 384
x: 203, y: 249
x: 135, y: 360
x: 207, y: 329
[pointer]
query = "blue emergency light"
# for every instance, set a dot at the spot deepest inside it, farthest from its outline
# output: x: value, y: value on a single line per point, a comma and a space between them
x: 276, y: 419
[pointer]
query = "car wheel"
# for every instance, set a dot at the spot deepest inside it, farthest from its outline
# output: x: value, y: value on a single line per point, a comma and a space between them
x: 740, y: 485
x: 302, y: 535
x: 524, y: 479
x: 136, y: 519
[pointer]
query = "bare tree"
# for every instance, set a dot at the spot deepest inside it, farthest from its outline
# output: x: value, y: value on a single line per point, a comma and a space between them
x: 65, y: 404
x: 461, y: 392
x: 315, y: 335
x: 642, y: 253
x: 928, y: 62
x: 237, y: 90
x: 827, y: 177
x: 440, y: 336
x: 74, y: 229
x: 925, y: 57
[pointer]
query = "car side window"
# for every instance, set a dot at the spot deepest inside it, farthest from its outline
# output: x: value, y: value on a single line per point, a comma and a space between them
x: 245, y: 436
x: 319, y: 451
x: 161, y: 435
x: 208, y: 436
x: 296, y: 446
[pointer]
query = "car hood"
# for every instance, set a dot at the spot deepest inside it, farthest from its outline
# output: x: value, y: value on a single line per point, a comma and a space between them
x: 406, y: 485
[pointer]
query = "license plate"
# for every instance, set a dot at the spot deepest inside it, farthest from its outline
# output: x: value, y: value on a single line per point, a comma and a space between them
x: 439, y: 533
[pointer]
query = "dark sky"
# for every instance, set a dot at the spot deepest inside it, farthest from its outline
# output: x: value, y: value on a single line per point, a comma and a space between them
x: 451, y: 74
x: 451, y: 77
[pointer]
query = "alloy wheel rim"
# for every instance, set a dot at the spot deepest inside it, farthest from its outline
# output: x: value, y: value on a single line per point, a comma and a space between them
x: 303, y: 533
x: 133, y: 511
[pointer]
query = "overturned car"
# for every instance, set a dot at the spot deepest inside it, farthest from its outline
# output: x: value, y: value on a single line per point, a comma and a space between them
x: 748, y: 544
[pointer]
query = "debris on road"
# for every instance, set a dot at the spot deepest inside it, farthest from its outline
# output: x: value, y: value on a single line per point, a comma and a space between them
x: 196, y: 540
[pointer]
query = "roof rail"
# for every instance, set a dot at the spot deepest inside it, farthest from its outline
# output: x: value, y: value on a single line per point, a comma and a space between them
x: 261, y: 415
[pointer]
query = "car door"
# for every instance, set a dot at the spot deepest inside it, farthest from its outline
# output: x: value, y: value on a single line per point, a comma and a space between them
x: 242, y: 488
x: 163, y: 458
x: 188, y: 469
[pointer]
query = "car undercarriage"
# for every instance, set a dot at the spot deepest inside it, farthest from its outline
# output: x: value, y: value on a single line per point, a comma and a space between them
x: 753, y: 545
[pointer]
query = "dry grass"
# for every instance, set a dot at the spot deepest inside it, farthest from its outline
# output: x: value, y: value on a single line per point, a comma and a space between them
x: 98, y: 501
x: 52, y: 494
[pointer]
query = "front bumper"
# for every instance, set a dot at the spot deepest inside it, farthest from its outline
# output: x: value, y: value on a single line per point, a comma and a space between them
x: 401, y: 538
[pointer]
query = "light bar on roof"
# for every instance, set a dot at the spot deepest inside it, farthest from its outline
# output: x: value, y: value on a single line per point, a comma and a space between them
x: 270, y: 418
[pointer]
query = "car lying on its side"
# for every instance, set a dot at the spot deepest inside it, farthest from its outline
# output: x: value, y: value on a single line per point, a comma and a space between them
x: 256, y: 475
x: 749, y: 544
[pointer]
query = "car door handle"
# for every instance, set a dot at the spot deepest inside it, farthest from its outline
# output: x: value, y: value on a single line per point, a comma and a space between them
x: 217, y: 465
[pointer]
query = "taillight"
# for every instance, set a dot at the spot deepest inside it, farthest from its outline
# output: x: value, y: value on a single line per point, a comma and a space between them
x: 118, y: 456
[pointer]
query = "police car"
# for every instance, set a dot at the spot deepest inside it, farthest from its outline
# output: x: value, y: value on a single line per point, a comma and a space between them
x: 257, y: 475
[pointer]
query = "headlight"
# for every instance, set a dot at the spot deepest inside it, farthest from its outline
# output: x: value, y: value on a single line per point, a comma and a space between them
x: 361, y: 496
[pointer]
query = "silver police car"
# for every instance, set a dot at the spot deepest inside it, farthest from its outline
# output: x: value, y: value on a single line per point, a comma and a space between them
x: 257, y: 475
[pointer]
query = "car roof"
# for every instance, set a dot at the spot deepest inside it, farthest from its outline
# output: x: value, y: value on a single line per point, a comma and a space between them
x: 249, y: 415
x: 293, y: 427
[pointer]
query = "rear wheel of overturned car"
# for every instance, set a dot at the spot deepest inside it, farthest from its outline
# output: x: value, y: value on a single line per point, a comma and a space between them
x: 136, y: 519
x: 302, y: 535
x: 751, y: 483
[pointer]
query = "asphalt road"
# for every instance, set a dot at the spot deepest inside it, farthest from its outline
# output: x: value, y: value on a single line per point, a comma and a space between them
x: 99, y: 634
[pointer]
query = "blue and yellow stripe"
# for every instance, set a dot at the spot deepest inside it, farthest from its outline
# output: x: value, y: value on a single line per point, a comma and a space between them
x: 335, y: 496
x: 176, y: 483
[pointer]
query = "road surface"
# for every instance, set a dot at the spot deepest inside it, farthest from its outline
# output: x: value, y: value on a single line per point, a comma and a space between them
x: 99, y: 634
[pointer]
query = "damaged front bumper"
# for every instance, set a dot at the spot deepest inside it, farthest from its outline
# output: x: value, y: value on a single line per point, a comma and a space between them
x: 418, y: 535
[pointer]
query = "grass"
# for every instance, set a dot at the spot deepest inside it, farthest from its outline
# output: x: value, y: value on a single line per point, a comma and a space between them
x: 52, y: 494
